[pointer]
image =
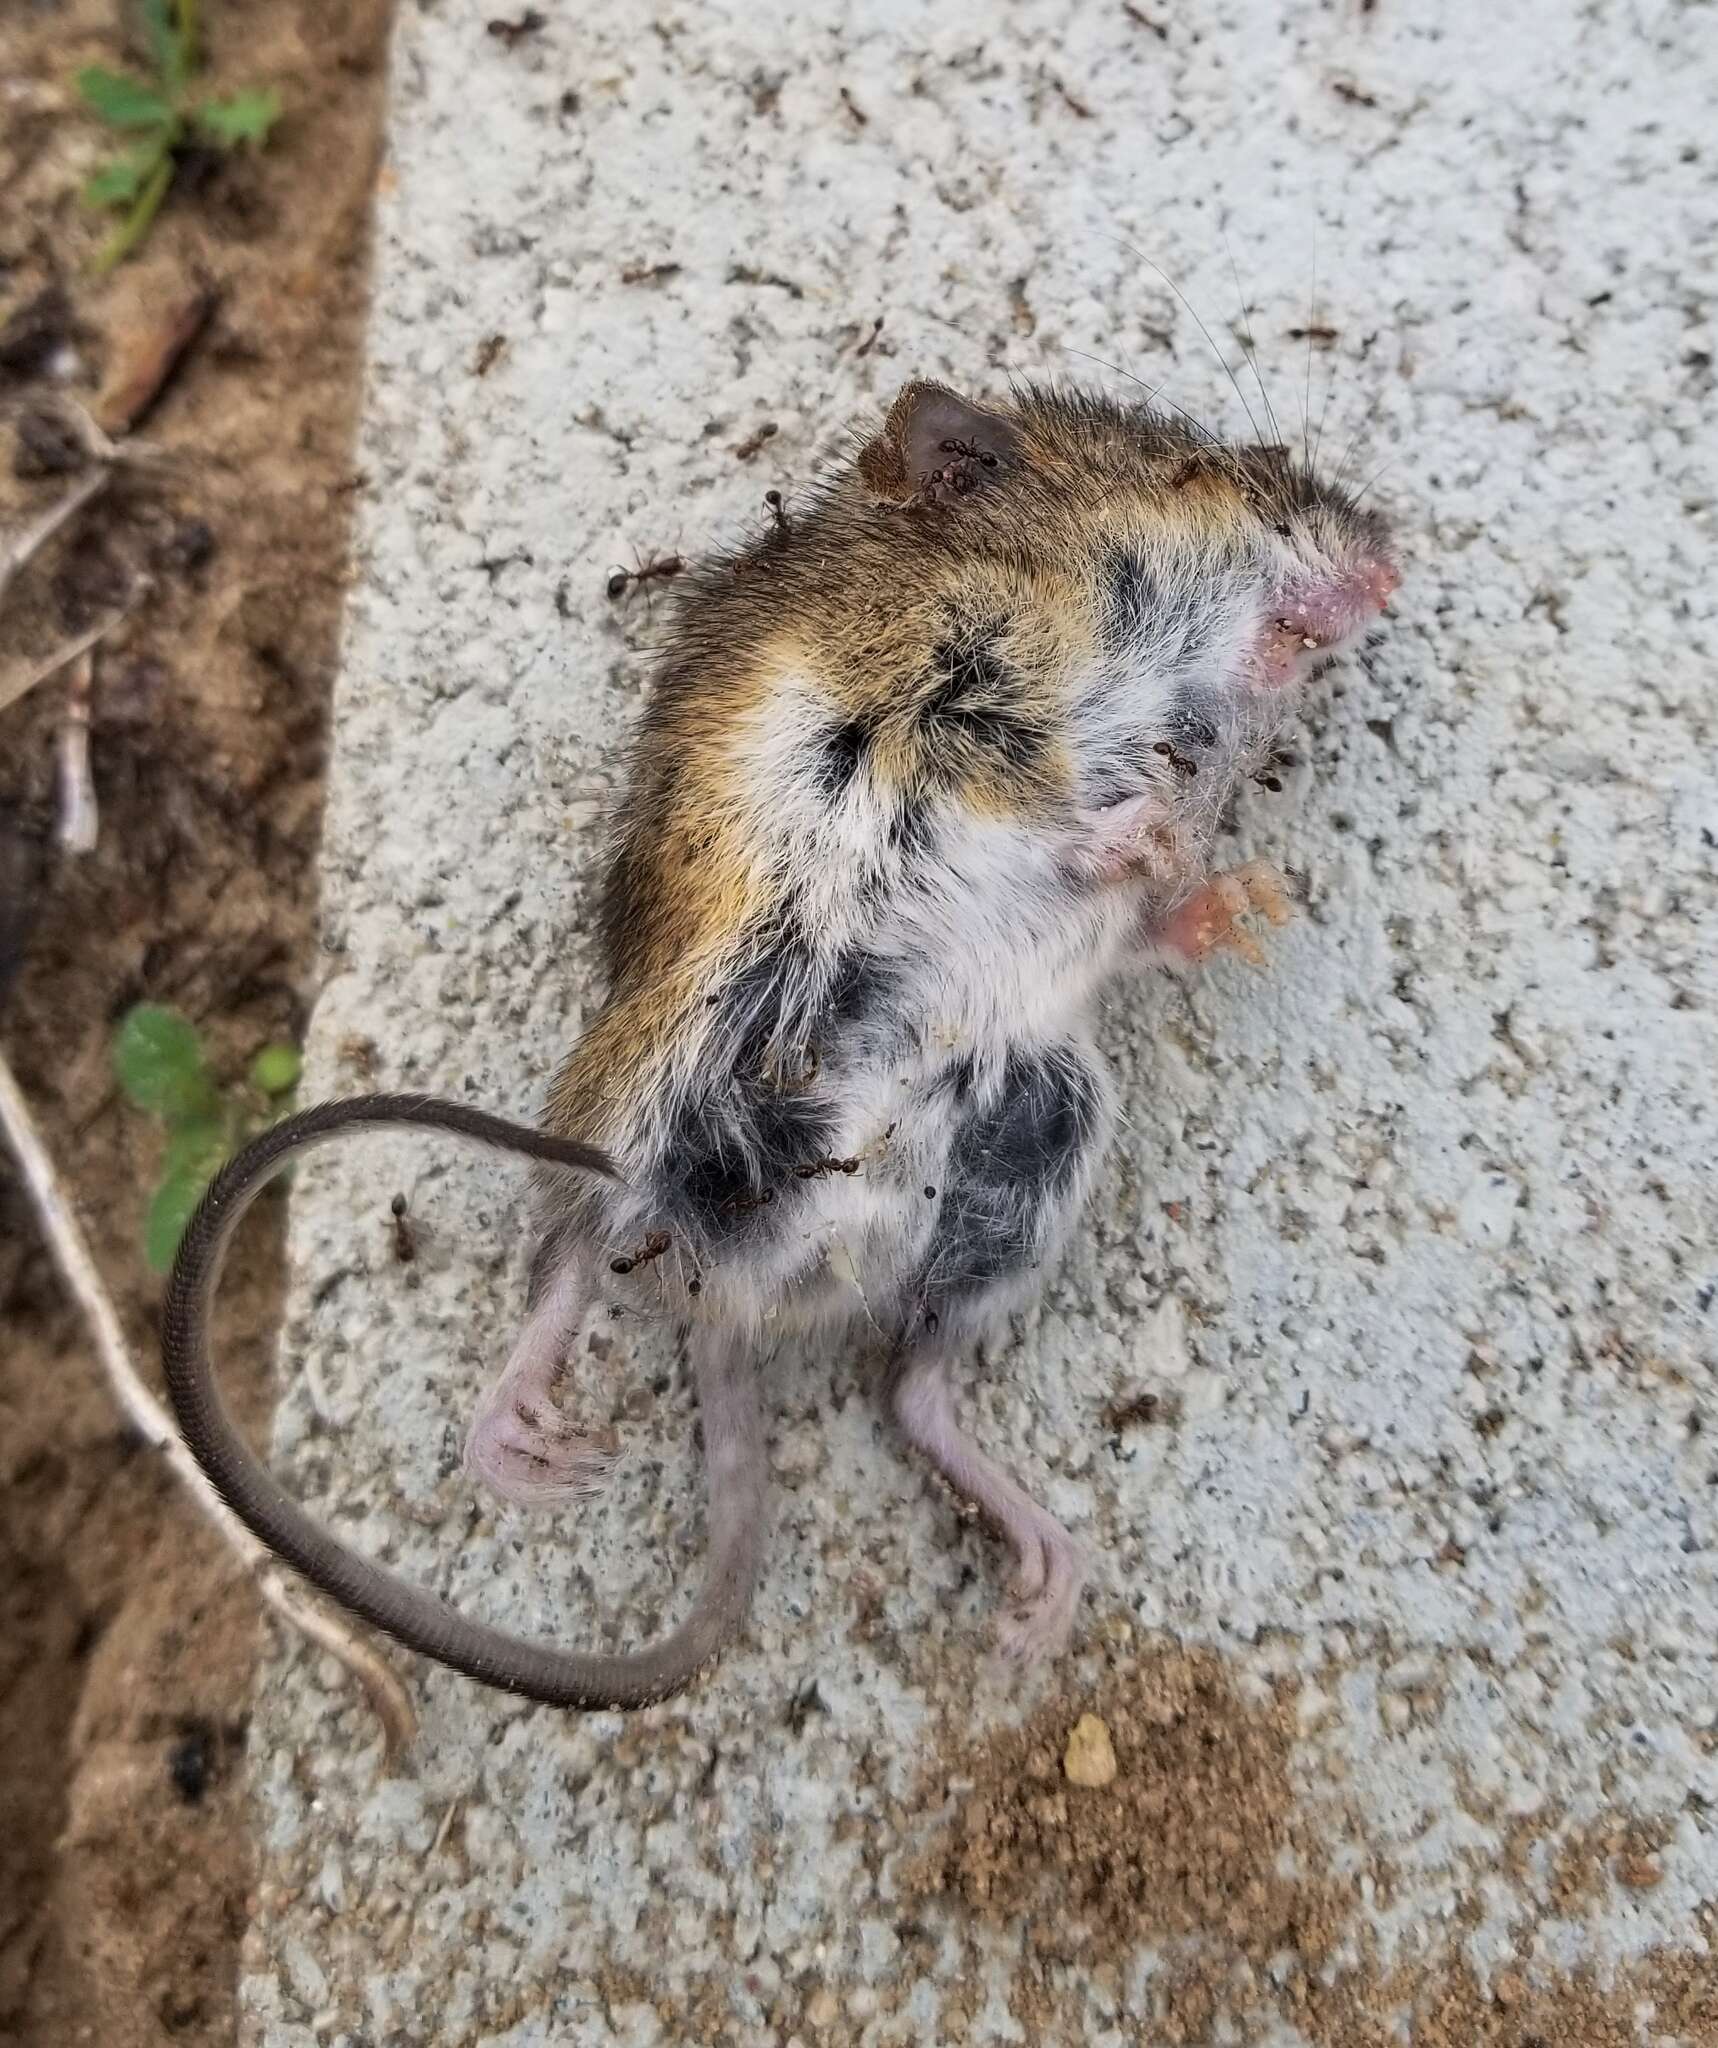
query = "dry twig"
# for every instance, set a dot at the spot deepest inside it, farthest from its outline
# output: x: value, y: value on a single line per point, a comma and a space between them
x: 143, y: 381
x: 74, y: 650
x: 27, y: 545
x: 71, y: 1253
x: 80, y: 820
x: 33, y: 539
x: 19, y: 552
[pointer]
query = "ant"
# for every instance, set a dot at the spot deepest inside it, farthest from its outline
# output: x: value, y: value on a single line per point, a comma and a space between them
x: 819, y: 1167
x: 405, y: 1238
x: 652, y: 1248
x: 658, y: 570
x: 1267, y: 776
x: 961, y: 473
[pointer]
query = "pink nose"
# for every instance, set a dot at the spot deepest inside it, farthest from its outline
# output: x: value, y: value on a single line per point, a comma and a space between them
x: 1320, y: 614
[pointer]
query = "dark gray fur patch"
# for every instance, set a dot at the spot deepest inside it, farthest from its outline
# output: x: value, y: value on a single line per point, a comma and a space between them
x: 860, y: 985
x: 840, y: 755
x: 913, y: 829
x: 1138, y: 611
x: 1113, y: 777
x: 1137, y: 606
x: 1188, y: 729
x: 1131, y: 598
x: 1014, y: 1154
x: 737, y: 1139
x: 958, y: 1076
x: 977, y: 702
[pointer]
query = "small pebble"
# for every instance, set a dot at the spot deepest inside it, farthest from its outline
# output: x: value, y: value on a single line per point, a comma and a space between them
x: 1090, y: 1758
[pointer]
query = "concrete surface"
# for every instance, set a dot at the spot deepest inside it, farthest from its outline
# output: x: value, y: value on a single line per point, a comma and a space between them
x: 1421, y: 1227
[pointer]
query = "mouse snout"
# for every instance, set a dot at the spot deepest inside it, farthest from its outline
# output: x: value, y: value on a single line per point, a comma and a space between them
x: 1314, y: 615
x: 1377, y: 580
x: 1346, y: 600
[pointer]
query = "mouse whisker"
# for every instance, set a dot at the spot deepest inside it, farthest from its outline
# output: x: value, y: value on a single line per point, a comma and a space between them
x: 1252, y: 347
x: 1349, y: 453
x: 1311, y: 325
x: 1376, y: 474
x: 1324, y: 410
x: 603, y: 801
x: 1228, y: 367
x: 1152, y: 391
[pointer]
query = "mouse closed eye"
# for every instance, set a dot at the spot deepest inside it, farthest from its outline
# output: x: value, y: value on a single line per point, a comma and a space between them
x: 924, y: 768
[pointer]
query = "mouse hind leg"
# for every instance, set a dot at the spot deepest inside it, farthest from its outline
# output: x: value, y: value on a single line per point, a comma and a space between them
x: 1019, y: 1168
x: 521, y: 1445
x: 1050, y: 1565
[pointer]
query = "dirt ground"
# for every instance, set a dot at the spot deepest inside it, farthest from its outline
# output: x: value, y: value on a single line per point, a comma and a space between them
x: 126, y: 1645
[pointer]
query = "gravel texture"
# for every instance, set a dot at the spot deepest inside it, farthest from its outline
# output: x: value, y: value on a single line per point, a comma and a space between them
x: 1383, y: 1373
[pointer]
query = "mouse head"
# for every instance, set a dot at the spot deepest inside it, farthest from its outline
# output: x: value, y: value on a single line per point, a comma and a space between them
x: 1328, y: 561
x: 1074, y: 472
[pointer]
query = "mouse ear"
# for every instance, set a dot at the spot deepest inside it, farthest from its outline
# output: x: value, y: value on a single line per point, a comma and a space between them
x: 936, y: 445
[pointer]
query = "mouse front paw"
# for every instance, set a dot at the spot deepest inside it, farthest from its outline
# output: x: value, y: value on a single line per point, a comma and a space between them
x: 533, y: 1460
x: 1210, y: 919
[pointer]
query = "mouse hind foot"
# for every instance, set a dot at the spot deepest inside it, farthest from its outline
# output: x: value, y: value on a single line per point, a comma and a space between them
x: 532, y: 1459
x: 521, y: 1445
x: 1050, y: 1566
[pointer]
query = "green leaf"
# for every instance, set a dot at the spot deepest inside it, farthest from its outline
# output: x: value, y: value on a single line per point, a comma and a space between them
x: 246, y: 117
x: 165, y: 46
x: 123, y: 102
x: 175, y: 1202
x: 119, y: 182
x: 196, y: 1152
x: 276, y: 1069
x: 198, y: 1148
x: 158, y: 1059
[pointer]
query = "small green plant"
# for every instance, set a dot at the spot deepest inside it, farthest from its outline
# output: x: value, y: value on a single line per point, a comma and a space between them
x: 163, y: 1069
x: 164, y: 115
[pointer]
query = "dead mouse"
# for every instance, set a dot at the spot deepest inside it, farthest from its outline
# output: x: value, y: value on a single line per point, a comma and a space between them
x: 923, y: 770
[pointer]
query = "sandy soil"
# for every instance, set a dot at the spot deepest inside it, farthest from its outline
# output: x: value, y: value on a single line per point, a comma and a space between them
x: 126, y: 1647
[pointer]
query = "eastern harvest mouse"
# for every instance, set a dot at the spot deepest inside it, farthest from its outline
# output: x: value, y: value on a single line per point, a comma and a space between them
x: 924, y: 768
